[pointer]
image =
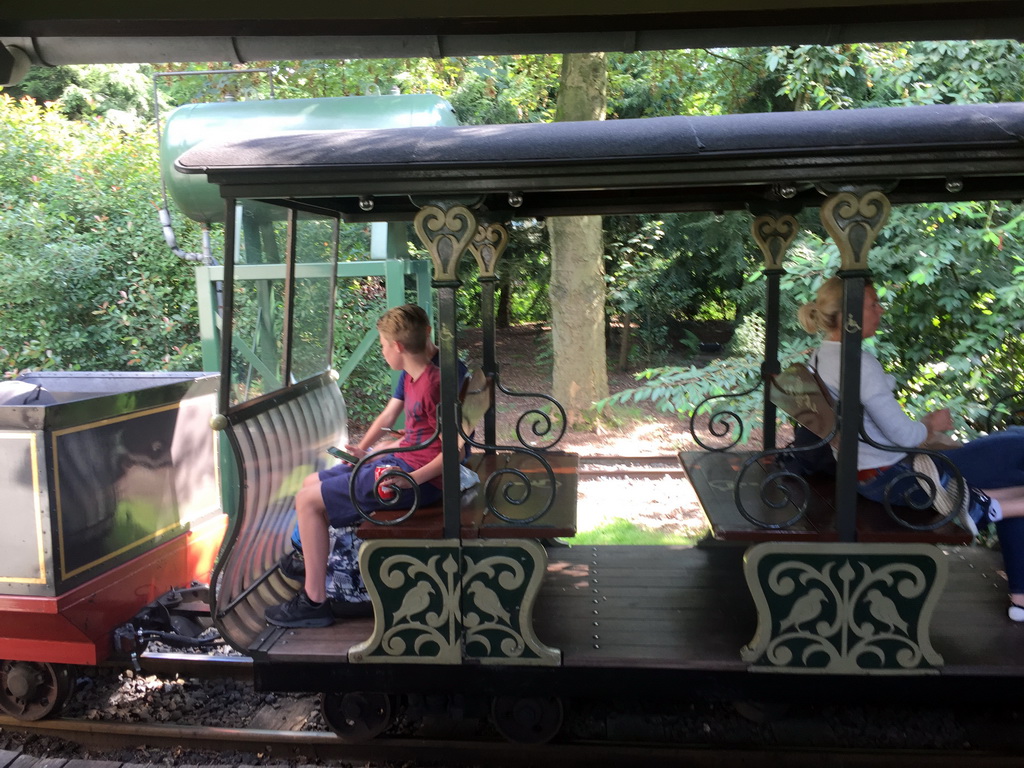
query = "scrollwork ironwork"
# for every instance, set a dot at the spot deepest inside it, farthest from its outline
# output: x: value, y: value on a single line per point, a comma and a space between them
x: 774, y: 235
x: 721, y: 423
x: 542, y: 423
x: 514, y: 484
x: 488, y: 246
x: 389, y: 500
x: 778, y: 489
x: 920, y: 487
x: 447, y: 233
x: 844, y: 610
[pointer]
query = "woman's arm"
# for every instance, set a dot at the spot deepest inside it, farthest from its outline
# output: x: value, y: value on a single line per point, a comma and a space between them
x: 884, y: 410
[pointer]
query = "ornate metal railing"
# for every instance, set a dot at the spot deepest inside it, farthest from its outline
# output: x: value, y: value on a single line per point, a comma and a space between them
x: 542, y: 423
x: 389, y: 499
x: 921, y: 487
x: 930, y: 480
x: 513, y: 483
x: 780, y: 486
x: 725, y: 424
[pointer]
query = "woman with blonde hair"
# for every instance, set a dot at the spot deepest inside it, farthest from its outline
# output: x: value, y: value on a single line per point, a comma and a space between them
x: 993, y: 462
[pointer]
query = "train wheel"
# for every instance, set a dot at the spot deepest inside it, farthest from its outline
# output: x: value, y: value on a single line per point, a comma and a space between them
x: 357, y: 716
x: 31, y: 690
x: 527, y: 720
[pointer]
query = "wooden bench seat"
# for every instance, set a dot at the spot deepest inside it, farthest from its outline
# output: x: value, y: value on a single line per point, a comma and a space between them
x: 559, y: 521
x: 477, y: 397
x: 714, y: 475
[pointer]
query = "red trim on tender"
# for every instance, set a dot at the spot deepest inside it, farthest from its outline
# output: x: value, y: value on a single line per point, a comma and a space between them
x: 76, y: 627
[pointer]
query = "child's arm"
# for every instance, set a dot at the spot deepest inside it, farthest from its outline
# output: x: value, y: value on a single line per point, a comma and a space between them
x: 424, y: 474
x: 428, y: 471
x: 385, y: 420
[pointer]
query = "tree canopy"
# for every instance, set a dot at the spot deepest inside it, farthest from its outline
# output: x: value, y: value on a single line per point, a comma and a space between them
x: 89, y: 283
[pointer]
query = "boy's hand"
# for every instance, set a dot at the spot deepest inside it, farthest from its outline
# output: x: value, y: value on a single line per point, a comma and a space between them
x: 355, y: 450
x: 399, y: 482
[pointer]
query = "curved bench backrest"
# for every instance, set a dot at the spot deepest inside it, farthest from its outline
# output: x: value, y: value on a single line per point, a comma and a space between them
x: 276, y: 443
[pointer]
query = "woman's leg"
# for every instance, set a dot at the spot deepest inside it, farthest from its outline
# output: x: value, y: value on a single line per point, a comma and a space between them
x: 1011, y: 541
x: 991, y: 461
x: 1011, y: 500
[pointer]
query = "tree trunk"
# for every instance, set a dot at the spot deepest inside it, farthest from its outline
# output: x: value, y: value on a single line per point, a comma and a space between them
x: 580, y: 373
x: 503, y: 317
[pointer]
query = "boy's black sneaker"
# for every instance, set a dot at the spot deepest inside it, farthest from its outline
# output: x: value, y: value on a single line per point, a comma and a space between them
x: 300, y: 611
x: 293, y: 566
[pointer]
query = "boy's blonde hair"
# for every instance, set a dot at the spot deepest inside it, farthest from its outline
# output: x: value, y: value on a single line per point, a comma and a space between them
x: 407, y: 324
x: 824, y: 312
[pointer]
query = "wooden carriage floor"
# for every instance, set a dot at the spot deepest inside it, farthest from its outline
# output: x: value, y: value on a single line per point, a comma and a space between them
x: 688, y: 608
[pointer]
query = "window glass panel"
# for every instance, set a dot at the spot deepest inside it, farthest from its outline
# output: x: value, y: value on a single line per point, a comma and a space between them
x: 314, y: 254
x: 258, y: 315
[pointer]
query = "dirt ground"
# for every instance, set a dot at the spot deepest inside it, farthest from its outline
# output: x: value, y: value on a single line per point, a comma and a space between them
x: 665, y: 504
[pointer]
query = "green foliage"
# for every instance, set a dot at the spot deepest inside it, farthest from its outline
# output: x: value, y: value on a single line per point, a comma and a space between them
x: 620, y: 531
x: 203, y: 82
x: 639, y: 290
x: 89, y: 283
x: 523, y: 276
x: 947, y: 72
x: 121, y: 92
x: 678, y: 390
x: 663, y: 272
x: 954, y: 274
x: 892, y: 74
x: 950, y: 274
x: 506, y: 89
x: 87, y: 279
x: 359, y: 305
x: 695, y: 81
x: 820, y: 77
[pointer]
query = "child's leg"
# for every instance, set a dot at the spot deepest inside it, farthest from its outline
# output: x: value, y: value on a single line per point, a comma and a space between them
x: 312, y: 522
x: 313, y: 478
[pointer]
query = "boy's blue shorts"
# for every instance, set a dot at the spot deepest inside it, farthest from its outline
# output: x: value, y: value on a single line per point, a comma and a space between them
x: 334, y: 489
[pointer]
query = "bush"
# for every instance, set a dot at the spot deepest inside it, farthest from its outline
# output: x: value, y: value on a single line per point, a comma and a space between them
x: 88, y: 280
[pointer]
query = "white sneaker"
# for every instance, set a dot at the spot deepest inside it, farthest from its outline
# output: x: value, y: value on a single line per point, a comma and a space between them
x: 1015, y: 612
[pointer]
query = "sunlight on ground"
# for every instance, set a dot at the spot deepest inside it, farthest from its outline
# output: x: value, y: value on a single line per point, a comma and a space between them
x: 645, y: 438
x: 666, y: 505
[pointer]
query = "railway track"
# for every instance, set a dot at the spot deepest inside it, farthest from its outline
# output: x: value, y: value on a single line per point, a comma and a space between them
x: 610, y: 733
x: 630, y: 466
x: 195, y: 665
x: 272, y: 745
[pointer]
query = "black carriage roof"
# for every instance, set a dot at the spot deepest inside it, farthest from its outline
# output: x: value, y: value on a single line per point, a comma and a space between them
x: 661, y: 164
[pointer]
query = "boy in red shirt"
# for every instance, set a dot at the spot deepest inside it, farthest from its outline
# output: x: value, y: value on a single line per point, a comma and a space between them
x: 404, y: 333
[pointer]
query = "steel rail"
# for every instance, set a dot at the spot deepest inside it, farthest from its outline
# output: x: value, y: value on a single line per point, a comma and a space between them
x: 327, y: 746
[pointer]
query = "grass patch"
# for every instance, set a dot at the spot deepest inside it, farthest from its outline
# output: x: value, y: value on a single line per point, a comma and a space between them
x: 620, y: 531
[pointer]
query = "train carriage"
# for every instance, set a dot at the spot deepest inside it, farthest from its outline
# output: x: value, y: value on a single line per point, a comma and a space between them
x: 466, y: 596
x: 113, y: 503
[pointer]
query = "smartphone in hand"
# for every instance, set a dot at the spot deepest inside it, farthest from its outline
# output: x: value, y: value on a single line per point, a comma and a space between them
x: 348, y: 458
